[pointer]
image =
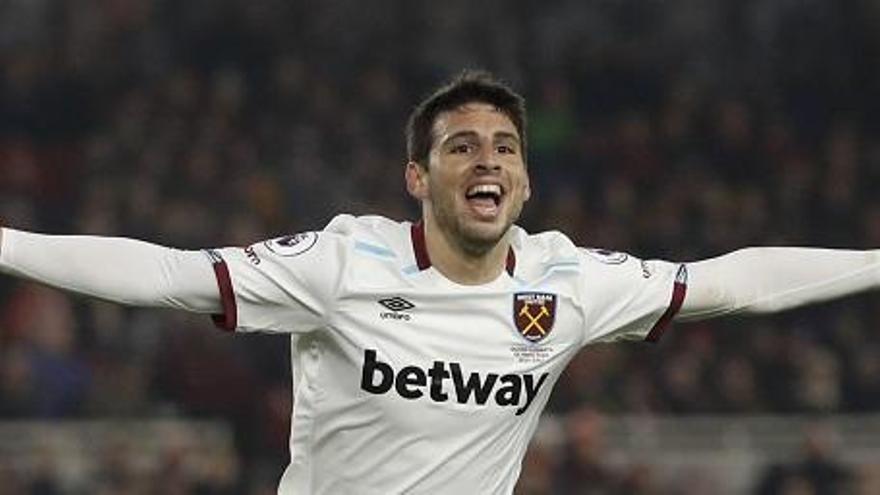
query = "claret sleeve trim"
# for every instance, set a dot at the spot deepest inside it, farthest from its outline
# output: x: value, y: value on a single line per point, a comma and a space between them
x: 228, y: 320
x: 679, y: 291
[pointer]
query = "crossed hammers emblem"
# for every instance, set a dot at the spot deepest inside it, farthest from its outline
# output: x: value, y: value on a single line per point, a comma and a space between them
x: 534, y: 320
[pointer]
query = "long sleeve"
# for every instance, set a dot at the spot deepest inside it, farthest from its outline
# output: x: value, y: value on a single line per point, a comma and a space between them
x: 766, y: 280
x: 120, y: 270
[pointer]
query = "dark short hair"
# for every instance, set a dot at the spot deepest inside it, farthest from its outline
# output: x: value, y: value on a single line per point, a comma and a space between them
x: 470, y: 86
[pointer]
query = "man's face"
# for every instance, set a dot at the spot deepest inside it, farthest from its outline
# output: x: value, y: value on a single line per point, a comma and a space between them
x: 476, y: 182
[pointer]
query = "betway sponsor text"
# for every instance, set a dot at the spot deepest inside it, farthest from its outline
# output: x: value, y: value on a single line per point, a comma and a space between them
x: 413, y: 382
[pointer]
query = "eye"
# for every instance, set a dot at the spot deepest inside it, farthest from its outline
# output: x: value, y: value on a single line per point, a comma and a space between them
x: 460, y: 148
x: 505, y: 149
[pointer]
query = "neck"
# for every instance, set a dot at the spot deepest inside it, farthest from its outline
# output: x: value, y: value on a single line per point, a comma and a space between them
x: 459, y: 264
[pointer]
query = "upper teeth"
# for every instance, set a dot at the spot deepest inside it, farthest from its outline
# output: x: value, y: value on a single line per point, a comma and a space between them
x: 485, y: 189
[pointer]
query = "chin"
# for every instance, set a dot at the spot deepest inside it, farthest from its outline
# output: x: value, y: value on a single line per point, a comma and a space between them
x: 480, y: 237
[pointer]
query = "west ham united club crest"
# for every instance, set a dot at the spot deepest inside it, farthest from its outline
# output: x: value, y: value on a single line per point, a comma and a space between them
x: 534, y: 314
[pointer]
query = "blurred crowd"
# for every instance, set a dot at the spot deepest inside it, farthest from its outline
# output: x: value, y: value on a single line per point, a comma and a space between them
x: 671, y: 129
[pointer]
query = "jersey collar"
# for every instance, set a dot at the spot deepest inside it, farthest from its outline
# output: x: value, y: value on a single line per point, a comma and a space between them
x: 423, y: 261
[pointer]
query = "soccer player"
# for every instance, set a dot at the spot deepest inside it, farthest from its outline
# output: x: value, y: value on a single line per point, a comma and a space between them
x: 423, y: 353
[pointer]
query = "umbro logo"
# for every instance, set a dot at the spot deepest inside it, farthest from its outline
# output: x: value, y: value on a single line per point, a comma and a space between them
x: 397, y: 306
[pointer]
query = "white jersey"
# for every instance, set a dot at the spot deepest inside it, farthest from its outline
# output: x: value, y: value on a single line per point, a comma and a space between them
x: 406, y: 382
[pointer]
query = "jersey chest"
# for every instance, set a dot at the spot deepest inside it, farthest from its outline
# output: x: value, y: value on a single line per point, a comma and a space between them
x: 485, y: 328
x: 494, y: 350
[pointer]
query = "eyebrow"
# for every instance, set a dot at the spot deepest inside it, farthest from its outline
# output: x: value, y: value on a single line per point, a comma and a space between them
x: 498, y: 135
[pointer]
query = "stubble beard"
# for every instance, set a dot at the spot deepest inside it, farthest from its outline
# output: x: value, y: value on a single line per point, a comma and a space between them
x: 467, y: 235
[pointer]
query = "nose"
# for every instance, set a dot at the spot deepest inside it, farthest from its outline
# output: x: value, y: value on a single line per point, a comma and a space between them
x: 486, y: 161
x: 487, y: 168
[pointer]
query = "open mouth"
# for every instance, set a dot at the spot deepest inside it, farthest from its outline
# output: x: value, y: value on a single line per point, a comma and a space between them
x: 485, y: 199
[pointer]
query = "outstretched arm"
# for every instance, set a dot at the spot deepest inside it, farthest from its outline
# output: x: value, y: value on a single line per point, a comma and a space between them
x: 766, y: 280
x: 115, y: 269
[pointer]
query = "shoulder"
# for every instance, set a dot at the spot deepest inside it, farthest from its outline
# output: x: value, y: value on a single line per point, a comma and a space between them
x: 372, y: 236
x: 371, y: 229
x: 540, y: 254
x: 543, y: 246
x: 369, y: 225
x: 342, y: 231
x: 555, y: 249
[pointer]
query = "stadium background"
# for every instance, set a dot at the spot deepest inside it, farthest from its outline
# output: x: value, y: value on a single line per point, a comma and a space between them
x: 676, y: 129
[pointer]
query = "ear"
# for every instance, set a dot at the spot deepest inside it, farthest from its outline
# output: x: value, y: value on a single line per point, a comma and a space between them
x: 416, y: 177
x: 527, y: 193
